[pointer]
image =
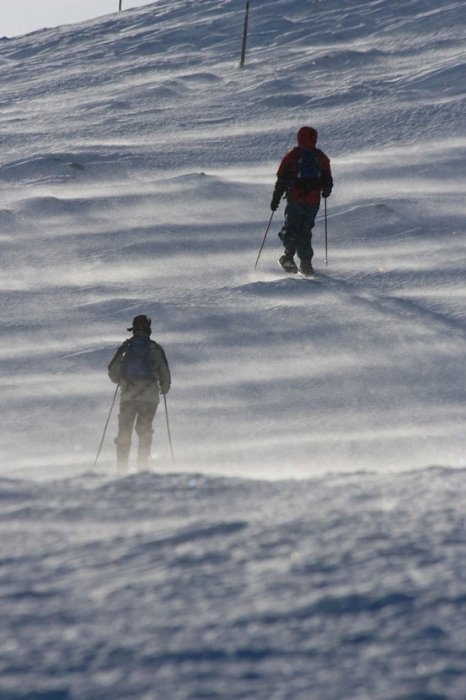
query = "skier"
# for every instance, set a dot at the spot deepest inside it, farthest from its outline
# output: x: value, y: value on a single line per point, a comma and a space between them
x: 304, y: 174
x: 141, y: 369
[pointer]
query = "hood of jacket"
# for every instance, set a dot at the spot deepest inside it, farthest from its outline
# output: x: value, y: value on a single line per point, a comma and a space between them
x: 307, y: 137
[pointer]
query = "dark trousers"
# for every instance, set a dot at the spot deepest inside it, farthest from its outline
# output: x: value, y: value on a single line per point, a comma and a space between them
x: 296, y: 234
x: 140, y: 416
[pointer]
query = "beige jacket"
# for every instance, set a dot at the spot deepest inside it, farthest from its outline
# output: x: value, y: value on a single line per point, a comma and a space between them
x: 142, y: 389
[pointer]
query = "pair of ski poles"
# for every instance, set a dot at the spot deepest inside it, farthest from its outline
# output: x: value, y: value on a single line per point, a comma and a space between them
x: 267, y: 230
x: 108, y: 421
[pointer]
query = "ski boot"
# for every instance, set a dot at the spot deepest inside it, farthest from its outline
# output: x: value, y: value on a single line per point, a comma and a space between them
x: 306, y: 268
x: 287, y: 263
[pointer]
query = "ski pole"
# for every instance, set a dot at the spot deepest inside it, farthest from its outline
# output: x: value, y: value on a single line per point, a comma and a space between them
x: 168, y: 428
x: 263, y: 241
x: 106, y: 426
x: 326, y: 237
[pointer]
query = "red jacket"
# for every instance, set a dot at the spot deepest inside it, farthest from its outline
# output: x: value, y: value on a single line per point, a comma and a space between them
x: 286, y: 173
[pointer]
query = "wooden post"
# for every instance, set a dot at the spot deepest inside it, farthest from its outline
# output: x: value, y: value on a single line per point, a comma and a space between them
x: 119, y: 6
x: 245, y: 35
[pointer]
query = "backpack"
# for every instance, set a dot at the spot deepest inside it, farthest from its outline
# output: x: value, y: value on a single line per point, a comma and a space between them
x: 308, y: 175
x: 136, y: 363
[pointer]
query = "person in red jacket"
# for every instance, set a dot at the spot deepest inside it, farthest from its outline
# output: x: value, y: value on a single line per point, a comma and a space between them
x: 304, y: 175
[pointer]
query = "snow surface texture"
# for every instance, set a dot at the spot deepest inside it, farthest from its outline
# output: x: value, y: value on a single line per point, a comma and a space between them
x: 187, y: 586
x: 137, y: 167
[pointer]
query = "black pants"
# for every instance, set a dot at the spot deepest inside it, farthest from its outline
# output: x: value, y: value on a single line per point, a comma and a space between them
x: 140, y: 416
x: 297, y: 232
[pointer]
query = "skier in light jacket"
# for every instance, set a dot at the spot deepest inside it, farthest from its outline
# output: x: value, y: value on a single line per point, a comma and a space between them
x: 141, y: 369
x: 304, y: 175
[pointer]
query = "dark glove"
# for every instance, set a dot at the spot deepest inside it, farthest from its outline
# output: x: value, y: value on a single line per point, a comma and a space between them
x: 274, y: 203
x: 278, y: 192
x: 327, y: 185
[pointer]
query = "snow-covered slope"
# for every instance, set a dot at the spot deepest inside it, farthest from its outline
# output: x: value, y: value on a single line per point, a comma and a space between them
x: 137, y: 166
x: 181, y: 587
x: 136, y: 171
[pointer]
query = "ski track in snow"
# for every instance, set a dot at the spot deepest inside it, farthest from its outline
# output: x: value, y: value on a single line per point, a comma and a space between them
x: 308, y: 541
